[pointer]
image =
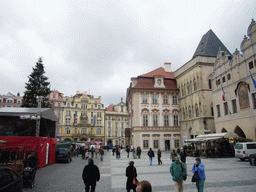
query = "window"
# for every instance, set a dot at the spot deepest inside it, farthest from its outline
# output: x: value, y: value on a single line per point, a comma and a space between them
x: 68, y: 112
x: 225, y: 106
x: 91, y: 130
x: 197, y: 111
x: 1, y: 100
x: 250, y: 65
x: 155, y: 120
x: 58, y: 104
x: 176, y: 143
x: 166, y: 120
x: 98, y: 131
x: 174, y: 100
x: 184, y: 114
x: 212, y: 111
x: 254, y: 100
x: 98, y: 114
x: 67, y: 121
x: 188, y: 88
x: 98, y: 122
x: 75, y: 130
x: 195, y: 85
x: 109, y: 133
x: 144, y: 98
x: 154, y: 97
x: 156, y: 144
x: 122, y: 108
x: 83, y: 131
x: 165, y: 99
x: 91, y: 121
x: 9, y: 101
x: 145, y: 120
x: 116, y: 125
x: 234, y: 107
x: 109, y: 124
x: 218, y: 82
x: 223, y: 79
x: 91, y: 114
x: 182, y: 91
x: 175, y: 120
x: 218, y: 110
x: 76, y: 105
x: 116, y: 134
x: 210, y: 83
x: 67, y: 130
x: 122, y: 125
x: 68, y: 105
x: 145, y: 144
x: 189, y: 112
x: 229, y: 76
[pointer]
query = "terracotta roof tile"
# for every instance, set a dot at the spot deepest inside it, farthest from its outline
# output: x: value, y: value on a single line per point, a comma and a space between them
x: 159, y: 71
x: 111, y: 108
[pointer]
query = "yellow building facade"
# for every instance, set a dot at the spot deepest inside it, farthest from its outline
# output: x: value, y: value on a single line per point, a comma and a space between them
x: 83, y: 119
x: 116, y: 121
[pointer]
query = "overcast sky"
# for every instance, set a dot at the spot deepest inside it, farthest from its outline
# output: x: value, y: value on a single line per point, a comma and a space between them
x: 97, y: 46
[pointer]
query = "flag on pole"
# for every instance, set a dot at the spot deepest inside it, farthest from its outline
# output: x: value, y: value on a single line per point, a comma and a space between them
x: 254, y: 82
x: 223, y: 94
x: 74, y: 117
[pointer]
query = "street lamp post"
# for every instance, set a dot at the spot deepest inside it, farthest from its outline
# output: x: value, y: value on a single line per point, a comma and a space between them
x: 39, y: 100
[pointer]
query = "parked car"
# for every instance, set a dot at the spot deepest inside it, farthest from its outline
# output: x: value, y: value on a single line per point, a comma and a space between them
x: 10, y: 180
x: 63, y: 154
x: 252, y: 159
x: 244, y: 150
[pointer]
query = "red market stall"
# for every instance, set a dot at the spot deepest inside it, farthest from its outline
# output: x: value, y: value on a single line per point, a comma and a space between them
x: 44, y: 147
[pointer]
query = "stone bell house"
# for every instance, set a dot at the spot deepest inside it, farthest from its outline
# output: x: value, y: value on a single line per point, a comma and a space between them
x: 194, y: 83
x: 233, y: 77
x: 153, y: 108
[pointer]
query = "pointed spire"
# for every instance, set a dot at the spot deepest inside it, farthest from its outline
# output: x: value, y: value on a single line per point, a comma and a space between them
x: 210, y: 45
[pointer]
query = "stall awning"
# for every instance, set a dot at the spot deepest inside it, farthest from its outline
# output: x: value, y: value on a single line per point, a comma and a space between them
x: 214, y: 136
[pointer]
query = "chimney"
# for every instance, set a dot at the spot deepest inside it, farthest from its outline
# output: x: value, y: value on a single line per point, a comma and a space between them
x: 122, y: 99
x: 167, y: 67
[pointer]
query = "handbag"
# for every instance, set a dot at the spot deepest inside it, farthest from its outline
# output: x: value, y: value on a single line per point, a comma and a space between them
x: 195, y: 177
x: 135, y: 181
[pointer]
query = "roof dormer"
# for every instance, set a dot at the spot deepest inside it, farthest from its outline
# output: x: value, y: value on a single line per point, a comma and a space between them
x: 159, y: 81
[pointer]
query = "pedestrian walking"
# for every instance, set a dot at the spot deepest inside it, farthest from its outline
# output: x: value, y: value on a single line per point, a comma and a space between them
x: 32, y: 162
x: 178, y: 171
x: 159, y: 155
x: 173, y: 155
x: 131, y: 174
x: 91, y: 175
x: 138, y: 152
x: 183, y: 156
x: 101, y: 154
x: 96, y: 152
x: 75, y: 152
x: 144, y: 186
x: 151, y: 154
x: 128, y: 151
x: 92, y: 152
x: 113, y: 151
x: 198, y: 168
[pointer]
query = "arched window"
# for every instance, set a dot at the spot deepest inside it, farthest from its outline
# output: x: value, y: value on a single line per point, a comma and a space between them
x: 189, y: 112
x: 98, y: 131
x: 184, y: 114
x: 196, y: 110
x: 188, y: 88
x: 195, y: 85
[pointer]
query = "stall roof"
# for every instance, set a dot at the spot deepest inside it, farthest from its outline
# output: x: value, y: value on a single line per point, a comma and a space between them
x: 214, y: 136
x: 46, y: 113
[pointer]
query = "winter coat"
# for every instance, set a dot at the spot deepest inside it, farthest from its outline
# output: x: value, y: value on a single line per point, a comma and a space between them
x: 131, y: 172
x: 91, y: 174
x: 176, y: 171
x: 200, y: 170
x: 151, y: 153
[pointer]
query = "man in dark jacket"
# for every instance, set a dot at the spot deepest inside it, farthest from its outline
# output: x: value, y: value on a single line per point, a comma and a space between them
x: 151, y: 154
x: 91, y: 174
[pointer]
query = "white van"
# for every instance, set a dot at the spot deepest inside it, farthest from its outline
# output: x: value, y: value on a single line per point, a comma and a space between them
x: 244, y: 150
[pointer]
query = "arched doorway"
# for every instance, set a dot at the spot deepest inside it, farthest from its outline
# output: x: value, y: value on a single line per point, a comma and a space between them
x: 67, y: 140
x: 223, y: 130
x: 83, y: 139
x: 239, y: 132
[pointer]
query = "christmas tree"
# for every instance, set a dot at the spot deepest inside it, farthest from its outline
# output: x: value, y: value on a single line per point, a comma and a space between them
x: 37, y: 86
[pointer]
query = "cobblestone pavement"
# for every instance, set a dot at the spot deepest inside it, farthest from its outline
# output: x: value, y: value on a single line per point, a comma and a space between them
x: 222, y: 174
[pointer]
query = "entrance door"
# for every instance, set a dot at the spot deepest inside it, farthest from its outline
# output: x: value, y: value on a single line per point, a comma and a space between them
x: 167, y: 145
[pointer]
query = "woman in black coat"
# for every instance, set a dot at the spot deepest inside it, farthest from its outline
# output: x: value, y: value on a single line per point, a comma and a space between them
x: 130, y: 174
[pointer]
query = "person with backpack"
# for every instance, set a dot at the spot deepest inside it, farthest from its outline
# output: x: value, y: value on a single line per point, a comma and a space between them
x: 198, y: 168
x: 178, y: 172
x: 151, y: 154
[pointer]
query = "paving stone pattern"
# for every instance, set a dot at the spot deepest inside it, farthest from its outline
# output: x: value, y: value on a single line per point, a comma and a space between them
x: 222, y: 174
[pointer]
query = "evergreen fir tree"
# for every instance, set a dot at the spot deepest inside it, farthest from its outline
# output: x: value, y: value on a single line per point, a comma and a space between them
x: 37, y: 86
